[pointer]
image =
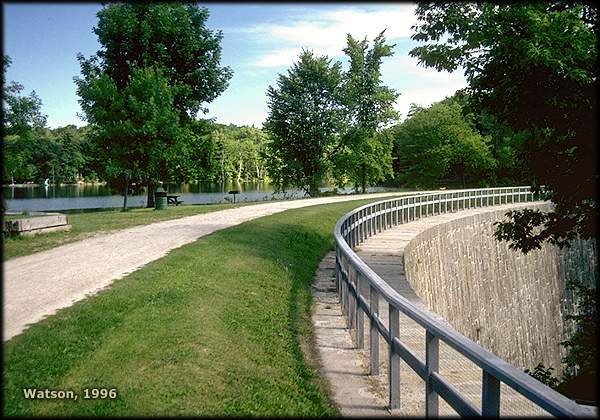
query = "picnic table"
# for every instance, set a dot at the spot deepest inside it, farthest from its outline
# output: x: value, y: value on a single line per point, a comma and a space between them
x: 174, y: 199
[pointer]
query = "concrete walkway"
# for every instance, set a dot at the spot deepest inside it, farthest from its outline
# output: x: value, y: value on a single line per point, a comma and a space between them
x: 37, y: 285
x: 344, y: 367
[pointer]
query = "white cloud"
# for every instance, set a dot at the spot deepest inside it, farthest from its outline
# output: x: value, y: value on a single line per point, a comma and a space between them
x: 279, y: 44
x: 325, y: 32
x: 419, y: 84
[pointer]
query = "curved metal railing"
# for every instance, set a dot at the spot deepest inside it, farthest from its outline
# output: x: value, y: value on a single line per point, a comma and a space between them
x: 363, y: 222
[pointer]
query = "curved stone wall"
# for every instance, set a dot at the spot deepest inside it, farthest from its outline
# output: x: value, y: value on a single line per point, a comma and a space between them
x: 510, y: 303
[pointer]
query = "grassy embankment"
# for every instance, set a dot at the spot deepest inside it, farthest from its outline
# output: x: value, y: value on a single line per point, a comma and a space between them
x: 217, y: 327
x: 86, y: 224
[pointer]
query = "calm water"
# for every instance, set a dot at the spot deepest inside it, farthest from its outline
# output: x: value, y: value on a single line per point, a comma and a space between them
x: 39, y: 198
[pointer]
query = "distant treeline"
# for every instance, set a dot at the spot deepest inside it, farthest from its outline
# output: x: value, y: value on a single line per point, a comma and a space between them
x: 69, y: 155
x: 443, y: 144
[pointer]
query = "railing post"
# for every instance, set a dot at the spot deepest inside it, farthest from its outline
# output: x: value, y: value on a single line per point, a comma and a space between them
x: 374, y: 332
x: 371, y: 225
x: 490, y: 396
x: 344, y: 295
x: 355, y: 231
x: 432, y: 364
x: 352, y: 296
x: 337, y: 269
x: 360, y: 320
x: 387, y: 214
x: 360, y: 226
x: 402, y: 213
x: 394, y: 359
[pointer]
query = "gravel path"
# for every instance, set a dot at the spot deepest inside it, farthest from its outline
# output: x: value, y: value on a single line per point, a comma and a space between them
x: 37, y: 285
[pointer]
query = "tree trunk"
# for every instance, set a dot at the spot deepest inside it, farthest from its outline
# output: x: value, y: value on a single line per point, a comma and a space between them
x: 125, y: 193
x: 239, y: 174
x: 150, y: 201
x: 364, y: 179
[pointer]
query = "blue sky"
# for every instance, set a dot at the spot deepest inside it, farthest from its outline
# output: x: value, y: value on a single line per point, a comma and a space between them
x: 260, y: 41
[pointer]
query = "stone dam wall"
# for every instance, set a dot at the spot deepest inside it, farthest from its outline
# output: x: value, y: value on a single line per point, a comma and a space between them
x: 510, y: 303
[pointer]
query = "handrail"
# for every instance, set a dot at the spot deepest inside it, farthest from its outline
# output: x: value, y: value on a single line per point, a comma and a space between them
x: 365, y: 221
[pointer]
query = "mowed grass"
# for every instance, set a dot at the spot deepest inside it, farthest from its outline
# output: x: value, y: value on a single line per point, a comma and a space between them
x: 216, y: 328
x: 87, y: 224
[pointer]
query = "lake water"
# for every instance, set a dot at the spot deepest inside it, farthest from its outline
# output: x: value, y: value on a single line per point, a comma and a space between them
x: 46, y: 198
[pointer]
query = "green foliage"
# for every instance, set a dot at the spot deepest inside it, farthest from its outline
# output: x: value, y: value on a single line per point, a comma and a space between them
x: 157, y: 67
x: 193, y: 156
x: 133, y: 128
x: 364, y: 153
x: 533, y: 67
x: 61, y: 155
x: 241, y: 153
x: 170, y: 36
x: 582, y: 346
x: 437, y: 144
x: 21, y: 114
x: 522, y: 229
x: 544, y: 375
x: 304, y: 118
x: 581, y: 359
x: 324, y: 122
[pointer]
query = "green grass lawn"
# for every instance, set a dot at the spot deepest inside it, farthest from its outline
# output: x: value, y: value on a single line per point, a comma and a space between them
x: 86, y: 224
x: 220, y: 326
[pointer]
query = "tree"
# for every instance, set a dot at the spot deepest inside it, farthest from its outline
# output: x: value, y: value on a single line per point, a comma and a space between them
x: 364, y: 155
x: 194, y: 155
x: 437, y: 144
x: 533, y: 67
x: 305, y: 114
x: 21, y: 113
x: 134, y: 127
x: 241, y: 152
x: 22, y: 116
x: 171, y: 38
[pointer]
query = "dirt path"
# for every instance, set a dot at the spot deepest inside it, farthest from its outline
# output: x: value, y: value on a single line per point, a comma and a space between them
x: 37, y: 285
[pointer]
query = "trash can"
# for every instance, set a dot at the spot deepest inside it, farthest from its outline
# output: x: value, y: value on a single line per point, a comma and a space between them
x: 160, y: 199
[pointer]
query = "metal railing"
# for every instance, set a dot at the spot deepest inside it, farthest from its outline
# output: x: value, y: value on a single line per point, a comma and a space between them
x: 363, y: 222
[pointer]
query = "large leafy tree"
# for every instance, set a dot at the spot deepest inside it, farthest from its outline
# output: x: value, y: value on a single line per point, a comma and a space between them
x: 21, y: 118
x: 364, y: 155
x: 134, y: 126
x: 171, y: 38
x: 532, y: 67
x: 438, y: 144
x: 305, y: 114
x: 21, y: 113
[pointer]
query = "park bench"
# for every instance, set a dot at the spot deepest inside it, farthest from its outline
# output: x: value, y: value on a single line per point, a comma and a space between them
x: 174, y: 199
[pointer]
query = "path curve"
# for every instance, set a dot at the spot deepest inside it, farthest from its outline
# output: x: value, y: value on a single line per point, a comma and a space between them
x: 37, y: 285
